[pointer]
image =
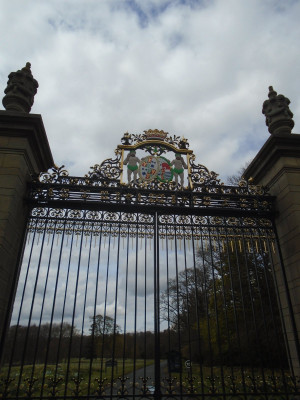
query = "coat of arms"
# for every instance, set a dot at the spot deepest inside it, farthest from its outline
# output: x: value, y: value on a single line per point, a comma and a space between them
x: 155, y: 166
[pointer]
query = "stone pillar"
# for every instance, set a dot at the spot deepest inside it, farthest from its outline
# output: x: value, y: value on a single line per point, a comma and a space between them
x: 24, y: 152
x: 277, y: 166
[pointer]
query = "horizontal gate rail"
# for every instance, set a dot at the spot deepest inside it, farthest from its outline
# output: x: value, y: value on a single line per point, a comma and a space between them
x: 213, y: 200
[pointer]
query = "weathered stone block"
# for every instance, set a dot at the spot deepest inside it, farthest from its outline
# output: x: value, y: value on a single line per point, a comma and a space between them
x: 24, y: 151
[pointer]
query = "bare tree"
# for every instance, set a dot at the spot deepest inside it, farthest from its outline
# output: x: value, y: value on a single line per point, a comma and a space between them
x: 235, y: 178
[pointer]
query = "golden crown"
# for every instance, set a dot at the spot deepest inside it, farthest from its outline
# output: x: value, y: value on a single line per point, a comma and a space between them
x: 155, y: 134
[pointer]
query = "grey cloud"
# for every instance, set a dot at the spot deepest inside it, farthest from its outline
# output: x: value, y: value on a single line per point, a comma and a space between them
x: 105, y: 76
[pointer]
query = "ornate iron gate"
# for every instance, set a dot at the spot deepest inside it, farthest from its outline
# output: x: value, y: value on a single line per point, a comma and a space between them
x: 162, y: 286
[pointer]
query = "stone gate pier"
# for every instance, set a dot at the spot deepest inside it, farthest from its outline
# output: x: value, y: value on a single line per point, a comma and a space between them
x: 277, y: 166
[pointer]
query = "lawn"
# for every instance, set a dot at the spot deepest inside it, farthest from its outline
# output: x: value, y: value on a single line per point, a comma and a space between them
x: 82, y: 376
x: 235, y: 380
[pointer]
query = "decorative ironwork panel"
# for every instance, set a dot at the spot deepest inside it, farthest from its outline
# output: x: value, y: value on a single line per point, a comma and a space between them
x: 162, y: 176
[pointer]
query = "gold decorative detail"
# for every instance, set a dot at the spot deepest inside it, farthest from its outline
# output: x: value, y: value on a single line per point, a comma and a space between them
x: 64, y: 194
x: 104, y: 195
x: 128, y: 196
x: 155, y: 134
x: 206, y: 200
x: 85, y: 194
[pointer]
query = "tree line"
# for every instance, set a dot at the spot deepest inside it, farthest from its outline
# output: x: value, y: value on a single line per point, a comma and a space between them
x: 57, y: 343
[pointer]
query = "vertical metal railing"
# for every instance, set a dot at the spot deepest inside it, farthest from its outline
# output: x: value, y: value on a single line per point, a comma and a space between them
x: 114, y: 305
x: 157, y: 393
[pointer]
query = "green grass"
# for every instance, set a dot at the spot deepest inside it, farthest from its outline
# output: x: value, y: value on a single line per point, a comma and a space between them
x: 81, y: 374
x: 78, y: 375
x: 215, y: 379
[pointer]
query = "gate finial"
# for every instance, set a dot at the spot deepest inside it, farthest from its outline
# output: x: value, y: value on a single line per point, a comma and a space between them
x: 20, y: 90
x: 279, y: 117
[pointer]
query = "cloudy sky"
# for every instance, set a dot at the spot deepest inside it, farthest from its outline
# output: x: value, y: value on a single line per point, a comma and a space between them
x: 117, y: 271
x: 198, y: 68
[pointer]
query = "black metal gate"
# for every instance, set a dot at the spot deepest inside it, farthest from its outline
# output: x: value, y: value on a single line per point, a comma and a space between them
x: 151, y: 288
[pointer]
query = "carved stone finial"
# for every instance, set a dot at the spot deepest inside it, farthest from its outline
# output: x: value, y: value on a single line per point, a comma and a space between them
x: 20, y: 90
x: 279, y: 117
